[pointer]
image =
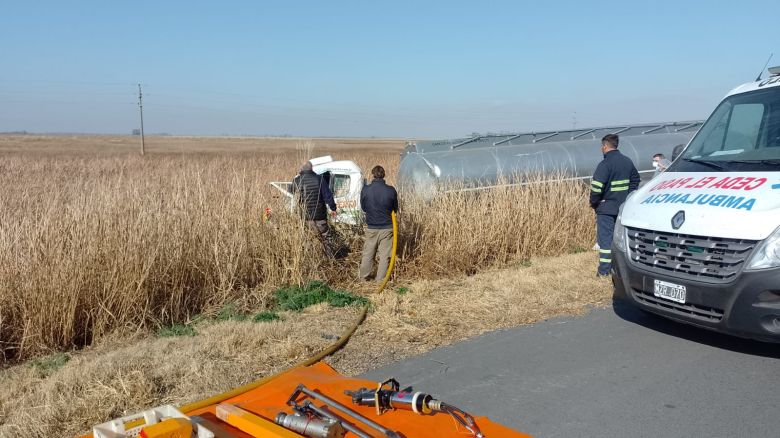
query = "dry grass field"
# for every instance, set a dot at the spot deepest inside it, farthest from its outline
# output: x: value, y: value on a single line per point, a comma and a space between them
x: 124, y: 144
x: 123, y: 376
x: 93, y: 242
x: 100, y: 248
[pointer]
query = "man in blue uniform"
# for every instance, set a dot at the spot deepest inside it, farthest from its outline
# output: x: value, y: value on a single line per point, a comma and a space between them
x: 615, y: 177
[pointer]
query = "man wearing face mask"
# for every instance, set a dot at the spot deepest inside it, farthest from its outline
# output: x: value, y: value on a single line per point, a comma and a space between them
x: 615, y: 177
x: 660, y: 163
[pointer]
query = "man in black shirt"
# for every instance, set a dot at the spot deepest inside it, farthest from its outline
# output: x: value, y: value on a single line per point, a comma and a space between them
x: 378, y: 200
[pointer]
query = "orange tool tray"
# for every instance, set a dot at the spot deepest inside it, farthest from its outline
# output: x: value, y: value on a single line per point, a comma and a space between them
x: 270, y: 399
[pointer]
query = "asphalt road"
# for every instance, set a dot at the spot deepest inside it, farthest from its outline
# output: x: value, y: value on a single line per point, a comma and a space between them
x: 612, y: 373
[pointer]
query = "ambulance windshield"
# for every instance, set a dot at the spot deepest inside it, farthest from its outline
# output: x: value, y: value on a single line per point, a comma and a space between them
x: 742, y: 134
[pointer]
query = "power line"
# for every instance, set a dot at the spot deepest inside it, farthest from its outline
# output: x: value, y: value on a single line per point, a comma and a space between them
x: 141, y: 110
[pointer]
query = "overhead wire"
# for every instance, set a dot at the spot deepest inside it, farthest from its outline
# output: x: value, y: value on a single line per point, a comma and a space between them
x: 251, y: 104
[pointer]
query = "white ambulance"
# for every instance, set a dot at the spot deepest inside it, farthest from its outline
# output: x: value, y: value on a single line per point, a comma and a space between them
x: 700, y: 243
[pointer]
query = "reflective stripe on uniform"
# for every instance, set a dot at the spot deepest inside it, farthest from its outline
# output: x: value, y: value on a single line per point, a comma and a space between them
x: 596, y: 186
x: 619, y: 185
x: 605, y: 251
x: 605, y: 260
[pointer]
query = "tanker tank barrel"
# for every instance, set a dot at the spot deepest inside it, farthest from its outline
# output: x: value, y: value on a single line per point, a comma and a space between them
x: 480, y: 161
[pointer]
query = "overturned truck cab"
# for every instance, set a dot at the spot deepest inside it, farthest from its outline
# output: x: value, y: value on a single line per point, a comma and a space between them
x: 345, y: 180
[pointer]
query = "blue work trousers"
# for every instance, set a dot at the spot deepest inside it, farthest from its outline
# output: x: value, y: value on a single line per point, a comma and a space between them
x: 605, y: 226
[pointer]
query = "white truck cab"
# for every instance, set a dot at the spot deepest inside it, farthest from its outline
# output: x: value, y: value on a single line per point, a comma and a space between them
x: 700, y: 243
x: 345, y: 180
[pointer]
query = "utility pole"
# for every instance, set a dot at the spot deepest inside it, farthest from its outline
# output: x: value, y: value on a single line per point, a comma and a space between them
x: 141, y: 109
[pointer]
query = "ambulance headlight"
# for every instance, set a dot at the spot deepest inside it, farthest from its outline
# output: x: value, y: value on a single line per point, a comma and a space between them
x: 619, y: 236
x: 767, y: 253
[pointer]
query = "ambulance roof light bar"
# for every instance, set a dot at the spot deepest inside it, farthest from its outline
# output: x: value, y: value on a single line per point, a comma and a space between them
x: 774, y: 71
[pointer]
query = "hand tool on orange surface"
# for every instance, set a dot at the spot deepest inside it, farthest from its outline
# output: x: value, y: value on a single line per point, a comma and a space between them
x: 388, y: 395
x: 310, y: 426
x: 302, y: 389
x: 308, y: 408
x: 252, y: 424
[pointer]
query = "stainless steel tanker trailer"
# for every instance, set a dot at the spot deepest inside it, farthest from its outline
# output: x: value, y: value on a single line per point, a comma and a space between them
x: 481, y: 161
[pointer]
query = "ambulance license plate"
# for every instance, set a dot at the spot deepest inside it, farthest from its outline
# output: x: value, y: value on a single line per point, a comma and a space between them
x: 669, y: 291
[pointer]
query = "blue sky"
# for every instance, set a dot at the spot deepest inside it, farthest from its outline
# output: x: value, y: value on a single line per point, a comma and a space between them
x: 362, y: 68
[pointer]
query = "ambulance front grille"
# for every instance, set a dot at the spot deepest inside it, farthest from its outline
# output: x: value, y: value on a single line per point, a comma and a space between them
x: 710, y: 259
x: 703, y: 313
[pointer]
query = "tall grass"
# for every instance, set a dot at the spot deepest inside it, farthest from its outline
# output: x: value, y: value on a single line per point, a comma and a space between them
x: 460, y: 231
x: 93, y: 245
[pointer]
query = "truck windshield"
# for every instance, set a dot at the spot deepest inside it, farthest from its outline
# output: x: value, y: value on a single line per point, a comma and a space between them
x: 339, y: 185
x: 742, y: 134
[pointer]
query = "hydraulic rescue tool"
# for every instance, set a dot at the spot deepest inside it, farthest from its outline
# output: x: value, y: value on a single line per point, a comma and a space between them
x: 310, y: 426
x: 302, y: 389
x: 308, y: 408
x: 388, y: 395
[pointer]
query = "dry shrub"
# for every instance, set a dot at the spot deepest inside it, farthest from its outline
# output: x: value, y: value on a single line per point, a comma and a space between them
x: 89, y: 247
x: 461, y: 231
x: 93, y: 245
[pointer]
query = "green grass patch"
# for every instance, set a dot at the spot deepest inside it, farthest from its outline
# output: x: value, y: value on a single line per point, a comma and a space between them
x: 197, y: 319
x: 49, y: 364
x: 294, y: 298
x: 176, y: 330
x: 231, y: 312
x: 266, y: 317
x: 298, y: 298
x: 402, y: 290
x: 579, y: 250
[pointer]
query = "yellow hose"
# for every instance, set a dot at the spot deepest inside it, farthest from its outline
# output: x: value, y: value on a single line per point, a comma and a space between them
x: 310, y: 361
x: 249, y: 386
x: 392, y: 254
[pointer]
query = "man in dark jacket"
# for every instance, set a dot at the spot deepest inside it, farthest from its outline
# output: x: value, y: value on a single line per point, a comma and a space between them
x: 378, y: 200
x: 615, y: 177
x: 313, y: 195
